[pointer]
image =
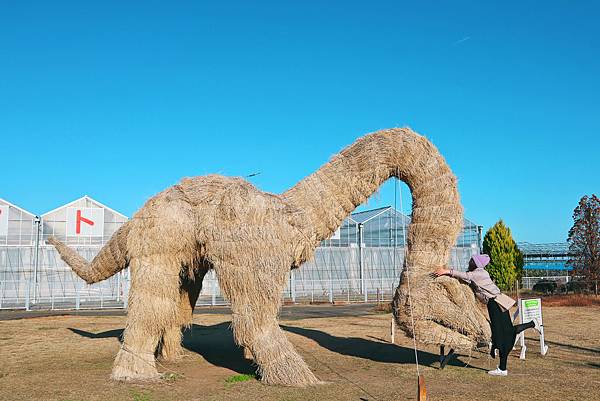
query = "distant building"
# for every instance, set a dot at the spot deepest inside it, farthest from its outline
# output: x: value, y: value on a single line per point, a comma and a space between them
x: 32, y: 275
x: 387, y: 226
x: 544, y: 261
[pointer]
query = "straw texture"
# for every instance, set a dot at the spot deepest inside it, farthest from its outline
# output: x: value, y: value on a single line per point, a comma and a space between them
x: 252, y: 238
x: 111, y: 259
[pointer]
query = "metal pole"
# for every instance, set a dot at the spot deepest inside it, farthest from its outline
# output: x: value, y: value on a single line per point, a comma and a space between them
x: 293, y: 285
x: 290, y: 285
x: 360, y: 257
x: 330, y: 289
x: 126, y: 291
x: 27, y: 301
x: 36, y: 256
x: 77, y: 289
x: 214, y: 289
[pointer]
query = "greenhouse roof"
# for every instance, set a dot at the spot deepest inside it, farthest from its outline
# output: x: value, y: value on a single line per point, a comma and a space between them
x: 547, y: 249
x: 7, y: 203
x: 85, y: 197
x: 365, y: 216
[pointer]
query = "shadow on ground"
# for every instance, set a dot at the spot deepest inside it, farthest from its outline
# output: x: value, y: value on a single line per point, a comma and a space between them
x: 216, y: 345
x: 594, y: 365
x: 376, y: 351
x: 117, y: 333
x: 571, y: 347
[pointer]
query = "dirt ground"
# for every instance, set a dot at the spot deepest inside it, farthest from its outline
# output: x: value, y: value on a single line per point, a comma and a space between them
x: 69, y: 358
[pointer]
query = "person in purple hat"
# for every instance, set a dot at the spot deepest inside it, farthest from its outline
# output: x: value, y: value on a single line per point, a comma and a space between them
x: 504, y: 333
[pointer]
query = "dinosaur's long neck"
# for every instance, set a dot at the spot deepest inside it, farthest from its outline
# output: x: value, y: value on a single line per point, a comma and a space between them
x: 330, y: 194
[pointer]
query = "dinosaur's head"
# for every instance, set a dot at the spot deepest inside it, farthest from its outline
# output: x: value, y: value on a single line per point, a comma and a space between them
x: 445, y: 312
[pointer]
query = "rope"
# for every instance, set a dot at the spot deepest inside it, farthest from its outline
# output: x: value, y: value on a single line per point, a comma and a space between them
x: 412, y: 319
x: 358, y: 386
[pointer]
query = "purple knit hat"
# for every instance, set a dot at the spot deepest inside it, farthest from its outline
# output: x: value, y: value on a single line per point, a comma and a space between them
x: 481, y: 261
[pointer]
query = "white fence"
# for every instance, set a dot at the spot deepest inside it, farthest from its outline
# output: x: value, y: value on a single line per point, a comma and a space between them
x: 529, y: 282
x: 50, y: 284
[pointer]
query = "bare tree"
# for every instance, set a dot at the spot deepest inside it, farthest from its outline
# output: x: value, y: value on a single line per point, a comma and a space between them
x: 584, y: 239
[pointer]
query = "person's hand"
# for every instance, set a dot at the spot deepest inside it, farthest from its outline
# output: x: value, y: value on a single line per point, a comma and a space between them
x: 441, y: 271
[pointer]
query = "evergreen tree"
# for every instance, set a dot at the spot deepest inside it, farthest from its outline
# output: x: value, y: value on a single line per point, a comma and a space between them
x: 506, y: 264
x: 584, y: 239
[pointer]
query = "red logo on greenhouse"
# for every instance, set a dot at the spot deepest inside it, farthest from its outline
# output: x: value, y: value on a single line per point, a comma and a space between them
x: 85, y: 221
x: 79, y: 219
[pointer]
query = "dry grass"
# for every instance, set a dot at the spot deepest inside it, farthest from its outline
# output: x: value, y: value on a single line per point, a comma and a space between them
x: 571, y: 300
x: 72, y: 361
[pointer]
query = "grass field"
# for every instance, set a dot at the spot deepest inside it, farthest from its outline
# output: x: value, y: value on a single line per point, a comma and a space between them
x: 70, y: 358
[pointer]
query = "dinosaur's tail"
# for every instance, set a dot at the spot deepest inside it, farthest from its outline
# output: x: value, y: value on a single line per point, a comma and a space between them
x: 111, y: 259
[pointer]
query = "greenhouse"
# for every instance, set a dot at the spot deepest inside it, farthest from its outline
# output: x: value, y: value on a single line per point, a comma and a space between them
x: 31, y: 272
x: 385, y: 227
x: 546, y: 261
x: 17, y: 253
x: 360, y: 262
x: 363, y: 259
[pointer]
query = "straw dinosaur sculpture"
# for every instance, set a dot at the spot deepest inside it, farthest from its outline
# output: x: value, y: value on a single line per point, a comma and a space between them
x: 252, y: 239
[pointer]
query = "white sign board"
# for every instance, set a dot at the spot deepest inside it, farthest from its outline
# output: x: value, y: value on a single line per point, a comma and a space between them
x: 85, y: 221
x: 336, y: 234
x: 528, y: 310
x: 4, y: 220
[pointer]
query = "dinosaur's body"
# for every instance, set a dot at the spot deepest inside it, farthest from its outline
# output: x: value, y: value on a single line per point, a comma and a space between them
x: 252, y: 238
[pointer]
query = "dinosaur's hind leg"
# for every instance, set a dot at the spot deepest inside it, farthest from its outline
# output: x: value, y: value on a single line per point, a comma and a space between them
x: 170, y: 347
x: 153, y: 305
x: 255, y: 295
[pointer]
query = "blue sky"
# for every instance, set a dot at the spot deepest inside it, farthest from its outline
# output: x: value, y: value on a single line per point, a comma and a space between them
x: 119, y: 101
